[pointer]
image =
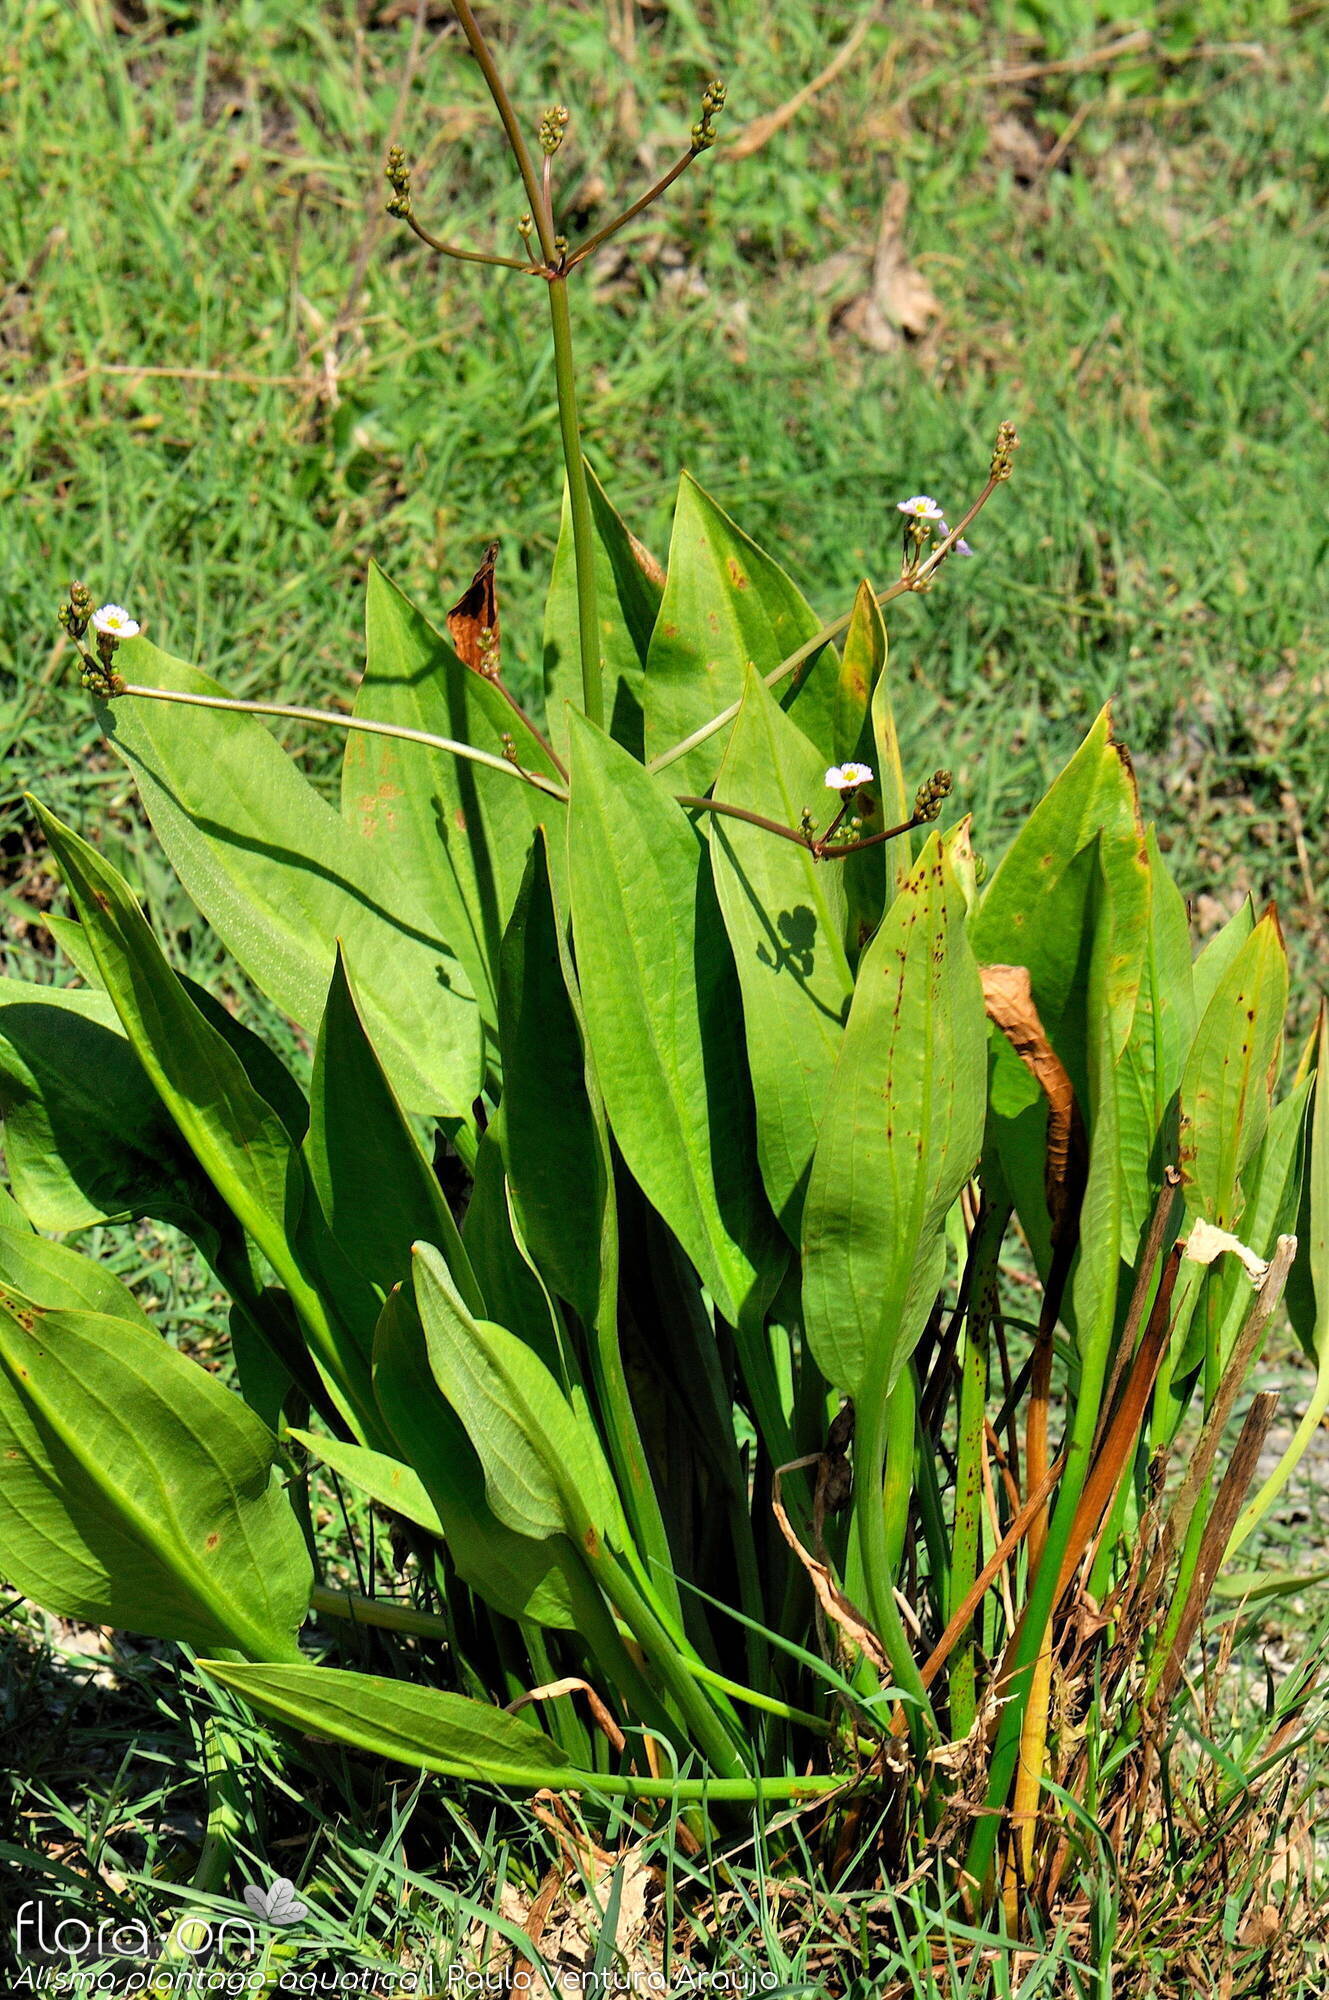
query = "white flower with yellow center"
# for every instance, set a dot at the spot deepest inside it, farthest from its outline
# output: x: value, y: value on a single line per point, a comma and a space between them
x: 920, y: 507
x: 848, y: 777
x: 115, y: 621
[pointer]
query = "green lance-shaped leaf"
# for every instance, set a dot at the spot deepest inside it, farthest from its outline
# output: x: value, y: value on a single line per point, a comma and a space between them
x: 234, y: 1134
x: 377, y: 1190
x: 1227, y: 1087
x: 785, y: 915
x: 628, y: 586
x: 1219, y: 953
x: 865, y: 695
x: 519, y: 1577
x: 265, y: 1069
x: 545, y: 1471
x: 424, y: 1727
x: 1034, y: 911
x: 383, y: 1478
x: 137, y: 1491
x: 1308, y: 1296
x: 1038, y: 912
x: 452, y: 832
x: 901, y: 1134
x: 555, y: 1140
x: 551, y: 1146
x: 1155, y: 1053
x: 432, y: 1730
x: 726, y: 604
x: 279, y: 875
x: 55, y: 1275
x: 86, y: 1136
x: 1095, y: 1282
x: 664, y: 1019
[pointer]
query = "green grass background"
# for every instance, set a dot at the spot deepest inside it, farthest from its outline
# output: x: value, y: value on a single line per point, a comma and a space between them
x: 229, y: 380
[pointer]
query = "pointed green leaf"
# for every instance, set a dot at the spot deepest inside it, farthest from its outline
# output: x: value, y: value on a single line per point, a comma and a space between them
x: 518, y: 1576
x: 280, y: 876
x: 424, y: 1727
x: 384, y: 1479
x: 1155, y: 1053
x: 902, y: 1132
x: 726, y: 604
x: 663, y: 1017
x: 1027, y: 917
x: 86, y: 1136
x: 236, y: 1137
x: 1229, y: 1078
x: 454, y: 833
x: 550, y: 1144
x: 1219, y: 953
x: 545, y: 1471
x: 377, y: 1190
x: 137, y: 1491
x: 629, y: 583
x: 785, y: 915
x: 55, y: 1275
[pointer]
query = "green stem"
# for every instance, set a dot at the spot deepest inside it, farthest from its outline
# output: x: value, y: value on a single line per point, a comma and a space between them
x: 354, y: 723
x: 708, y: 1726
x: 579, y: 500
x: 985, y: 1252
x: 378, y: 1611
x: 870, y: 1448
x: 503, y: 104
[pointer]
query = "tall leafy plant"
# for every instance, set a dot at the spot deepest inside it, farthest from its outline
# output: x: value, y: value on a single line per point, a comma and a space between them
x: 761, y: 1264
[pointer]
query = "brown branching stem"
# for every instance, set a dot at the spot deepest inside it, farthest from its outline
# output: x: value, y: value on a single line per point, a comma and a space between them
x: 592, y: 243
x: 471, y: 256
x: 816, y: 848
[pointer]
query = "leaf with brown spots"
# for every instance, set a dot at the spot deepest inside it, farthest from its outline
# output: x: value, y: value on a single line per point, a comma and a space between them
x: 138, y: 1492
x: 900, y: 1134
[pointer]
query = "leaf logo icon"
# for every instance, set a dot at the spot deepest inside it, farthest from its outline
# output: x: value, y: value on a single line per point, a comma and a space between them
x: 277, y: 1905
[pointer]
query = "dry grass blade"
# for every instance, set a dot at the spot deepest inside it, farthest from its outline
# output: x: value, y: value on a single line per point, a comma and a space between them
x: 831, y: 1598
x: 575, y: 1685
x: 1218, y: 1528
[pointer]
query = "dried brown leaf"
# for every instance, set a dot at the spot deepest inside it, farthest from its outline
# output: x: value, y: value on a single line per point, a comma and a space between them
x: 473, y: 620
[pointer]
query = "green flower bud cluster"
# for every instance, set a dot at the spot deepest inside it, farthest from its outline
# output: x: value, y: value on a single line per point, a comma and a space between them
x: 930, y: 794
x: 1003, y: 451
x: 553, y: 127
x: 399, y: 180
x: 712, y: 103
x: 76, y: 614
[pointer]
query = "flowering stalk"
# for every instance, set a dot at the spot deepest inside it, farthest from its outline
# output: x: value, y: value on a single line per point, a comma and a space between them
x: 918, y: 579
x: 554, y: 254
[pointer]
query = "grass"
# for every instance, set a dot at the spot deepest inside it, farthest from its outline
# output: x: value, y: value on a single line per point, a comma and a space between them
x: 227, y: 381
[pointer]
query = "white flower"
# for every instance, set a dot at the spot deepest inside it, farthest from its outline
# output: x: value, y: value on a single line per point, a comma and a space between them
x: 920, y: 507
x: 961, y: 548
x: 848, y: 777
x: 115, y: 620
